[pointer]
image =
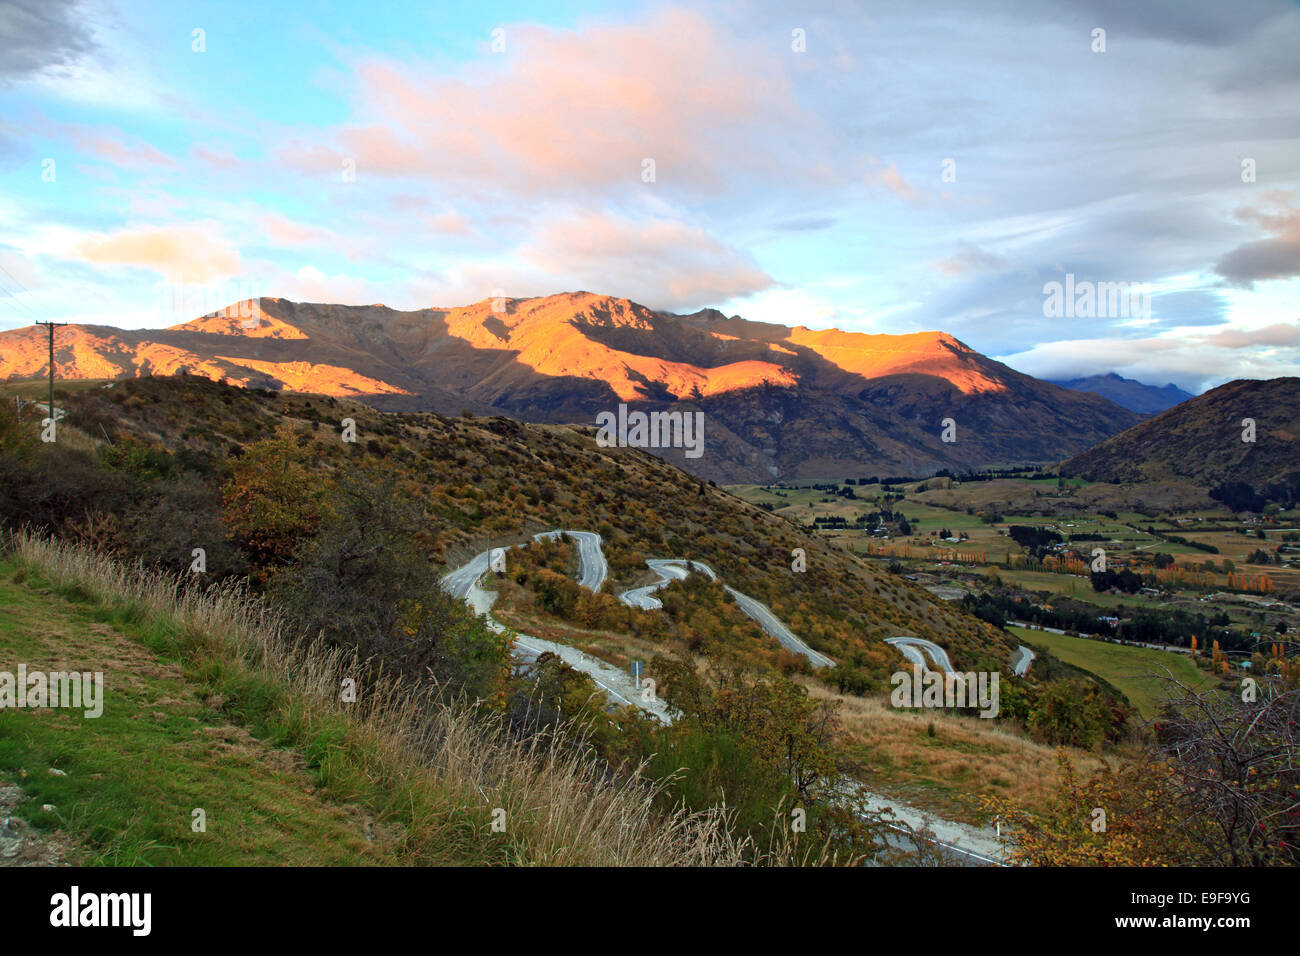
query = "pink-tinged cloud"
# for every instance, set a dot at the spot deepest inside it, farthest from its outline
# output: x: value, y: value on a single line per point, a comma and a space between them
x: 450, y: 222
x: 661, y: 262
x: 1277, y: 257
x: 1278, y: 334
x: 124, y: 152
x: 286, y: 232
x: 565, y: 112
x: 183, y: 254
x: 219, y: 160
x: 891, y: 179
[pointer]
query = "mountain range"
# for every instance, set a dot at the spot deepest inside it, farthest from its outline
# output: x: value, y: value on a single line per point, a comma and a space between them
x: 1243, y: 431
x: 1132, y: 394
x: 779, y: 402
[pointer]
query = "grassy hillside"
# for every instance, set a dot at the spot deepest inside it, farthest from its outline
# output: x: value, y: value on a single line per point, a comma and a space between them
x: 494, y: 481
x: 348, y: 539
x: 207, y: 707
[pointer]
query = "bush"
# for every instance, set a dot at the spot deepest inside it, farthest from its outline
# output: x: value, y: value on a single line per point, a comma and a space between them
x: 362, y: 583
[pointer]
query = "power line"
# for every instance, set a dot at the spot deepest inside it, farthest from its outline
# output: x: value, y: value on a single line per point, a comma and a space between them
x: 13, y: 296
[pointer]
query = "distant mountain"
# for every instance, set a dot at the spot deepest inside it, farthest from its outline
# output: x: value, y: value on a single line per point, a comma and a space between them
x: 778, y: 402
x: 1133, y: 395
x: 1201, y: 440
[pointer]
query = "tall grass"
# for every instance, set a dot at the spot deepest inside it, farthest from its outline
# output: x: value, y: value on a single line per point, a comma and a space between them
x: 437, y: 774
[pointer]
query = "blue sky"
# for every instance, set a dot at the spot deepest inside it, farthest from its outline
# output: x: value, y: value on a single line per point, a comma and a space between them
x: 876, y: 167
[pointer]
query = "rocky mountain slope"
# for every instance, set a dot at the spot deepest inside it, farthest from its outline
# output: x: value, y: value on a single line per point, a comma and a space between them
x: 779, y: 402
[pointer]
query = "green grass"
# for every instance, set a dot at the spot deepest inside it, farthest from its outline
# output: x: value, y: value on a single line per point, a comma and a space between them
x: 207, y: 706
x: 1133, y: 670
x: 161, y: 749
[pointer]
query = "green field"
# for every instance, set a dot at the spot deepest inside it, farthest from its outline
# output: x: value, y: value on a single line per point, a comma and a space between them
x: 1138, y: 672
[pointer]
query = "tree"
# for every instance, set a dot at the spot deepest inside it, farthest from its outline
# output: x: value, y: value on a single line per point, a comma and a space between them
x: 363, y: 584
x: 1232, y: 763
x: 1064, y: 712
x: 273, y: 500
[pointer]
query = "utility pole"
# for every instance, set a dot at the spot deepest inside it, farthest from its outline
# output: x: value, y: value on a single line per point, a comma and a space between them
x: 50, y: 326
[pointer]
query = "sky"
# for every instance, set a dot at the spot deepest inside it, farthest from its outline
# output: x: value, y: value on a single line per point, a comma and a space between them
x: 875, y: 167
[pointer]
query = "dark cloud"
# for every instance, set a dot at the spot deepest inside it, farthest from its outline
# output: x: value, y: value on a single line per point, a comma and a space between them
x: 1274, y: 258
x: 1262, y: 259
x: 39, y: 35
x: 1202, y: 24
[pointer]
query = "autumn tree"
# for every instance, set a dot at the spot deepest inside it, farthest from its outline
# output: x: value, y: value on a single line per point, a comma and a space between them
x: 274, y: 499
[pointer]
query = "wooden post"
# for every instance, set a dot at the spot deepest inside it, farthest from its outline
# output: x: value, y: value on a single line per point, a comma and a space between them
x: 50, y: 326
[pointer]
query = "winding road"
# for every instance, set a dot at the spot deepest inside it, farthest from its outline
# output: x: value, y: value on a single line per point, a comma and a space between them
x: 670, y: 569
x: 1021, y: 665
x: 911, y: 648
x: 620, y: 686
x: 958, y: 843
x: 592, y: 566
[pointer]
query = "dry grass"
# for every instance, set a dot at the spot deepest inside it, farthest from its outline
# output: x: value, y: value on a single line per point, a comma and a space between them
x: 966, y: 758
x: 441, y: 773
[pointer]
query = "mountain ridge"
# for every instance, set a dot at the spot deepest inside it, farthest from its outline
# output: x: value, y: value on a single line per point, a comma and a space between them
x: 1129, y: 393
x: 781, y: 401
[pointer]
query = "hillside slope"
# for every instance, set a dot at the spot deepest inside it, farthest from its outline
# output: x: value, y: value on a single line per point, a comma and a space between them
x: 1201, y: 440
x: 206, y: 707
x: 779, y: 402
x: 495, y: 482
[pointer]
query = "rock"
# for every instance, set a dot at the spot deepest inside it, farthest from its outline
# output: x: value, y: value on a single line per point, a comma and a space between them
x: 56, y: 772
x: 48, y: 807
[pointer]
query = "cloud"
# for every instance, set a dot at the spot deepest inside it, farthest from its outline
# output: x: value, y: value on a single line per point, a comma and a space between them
x: 310, y: 284
x: 449, y: 222
x: 660, y: 262
x: 289, y: 233
x: 891, y: 179
x: 1209, y: 24
x: 569, y: 112
x: 1274, y: 258
x: 122, y: 150
x: 1279, y: 334
x: 969, y: 259
x: 220, y: 160
x: 42, y: 35
x: 20, y: 271
x: 181, y: 253
x: 1194, y: 362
